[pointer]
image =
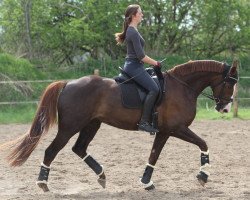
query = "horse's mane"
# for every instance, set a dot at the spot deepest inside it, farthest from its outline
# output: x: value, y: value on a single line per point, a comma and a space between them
x: 198, y: 66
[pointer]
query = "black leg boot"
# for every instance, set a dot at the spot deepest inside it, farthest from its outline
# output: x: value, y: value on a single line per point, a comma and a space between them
x: 144, y: 124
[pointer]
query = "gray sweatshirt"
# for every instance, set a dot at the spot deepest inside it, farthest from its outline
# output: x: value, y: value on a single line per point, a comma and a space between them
x: 135, y: 44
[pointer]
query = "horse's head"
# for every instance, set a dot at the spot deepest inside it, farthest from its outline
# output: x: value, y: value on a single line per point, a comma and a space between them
x: 224, y: 87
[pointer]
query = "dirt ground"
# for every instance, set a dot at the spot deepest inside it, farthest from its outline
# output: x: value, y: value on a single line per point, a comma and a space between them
x: 124, y: 155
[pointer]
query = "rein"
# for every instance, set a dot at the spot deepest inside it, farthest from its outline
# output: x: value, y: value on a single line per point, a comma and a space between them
x: 218, y: 99
x: 209, y: 96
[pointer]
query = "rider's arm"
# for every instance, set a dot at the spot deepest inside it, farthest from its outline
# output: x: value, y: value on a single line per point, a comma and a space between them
x: 149, y: 61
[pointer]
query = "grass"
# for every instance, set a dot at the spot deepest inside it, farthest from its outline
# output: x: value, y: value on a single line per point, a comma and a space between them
x: 212, y: 114
x: 25, y: 114
x: 17, y: 114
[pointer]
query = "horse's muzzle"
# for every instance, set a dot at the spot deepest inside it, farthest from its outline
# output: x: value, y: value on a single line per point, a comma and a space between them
x: 223, y: 108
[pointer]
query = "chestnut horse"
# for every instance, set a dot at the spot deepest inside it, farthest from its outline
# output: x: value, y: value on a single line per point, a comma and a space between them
x: 83, y: 104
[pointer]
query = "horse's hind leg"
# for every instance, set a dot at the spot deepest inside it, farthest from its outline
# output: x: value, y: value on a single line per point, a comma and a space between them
x: 85, y: 137
x: 58, y: 143
x: 187, y: 135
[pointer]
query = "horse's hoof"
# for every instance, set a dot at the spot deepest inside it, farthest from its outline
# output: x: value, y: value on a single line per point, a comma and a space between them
x: 102, y: 182
x: 201, y: 182
x: 151, y: 187
x: 43, y: 186
x: 147, y: 186
x: 202, y: 178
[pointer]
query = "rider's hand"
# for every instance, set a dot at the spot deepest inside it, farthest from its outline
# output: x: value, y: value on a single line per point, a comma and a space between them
x: 158, y: 64
x: 157, y: 69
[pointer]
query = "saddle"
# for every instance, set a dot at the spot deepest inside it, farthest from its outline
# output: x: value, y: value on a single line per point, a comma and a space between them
x: 133, y: 95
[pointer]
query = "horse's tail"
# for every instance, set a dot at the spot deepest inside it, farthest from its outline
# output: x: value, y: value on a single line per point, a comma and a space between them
x: 46, y: 116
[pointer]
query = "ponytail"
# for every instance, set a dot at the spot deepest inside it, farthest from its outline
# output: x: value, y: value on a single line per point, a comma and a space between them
x: 120, y: 37
x: 130, y: 11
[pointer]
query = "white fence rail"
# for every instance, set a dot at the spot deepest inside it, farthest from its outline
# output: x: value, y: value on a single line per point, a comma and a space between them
x: 31, y: 81
x: 50, y: 81
x: 18, y: 102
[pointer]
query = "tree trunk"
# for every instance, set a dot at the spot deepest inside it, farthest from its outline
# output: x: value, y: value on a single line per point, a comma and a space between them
x: 27, y: 10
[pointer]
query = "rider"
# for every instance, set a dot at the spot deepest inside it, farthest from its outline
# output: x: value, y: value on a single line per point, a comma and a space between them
x: 134, y: 63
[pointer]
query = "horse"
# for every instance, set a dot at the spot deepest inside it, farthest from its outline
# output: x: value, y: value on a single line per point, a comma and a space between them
x: 81, y: 105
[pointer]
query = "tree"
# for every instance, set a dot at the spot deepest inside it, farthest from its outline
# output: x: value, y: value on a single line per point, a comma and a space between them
x: 220, y: 26
x: 58, y: 30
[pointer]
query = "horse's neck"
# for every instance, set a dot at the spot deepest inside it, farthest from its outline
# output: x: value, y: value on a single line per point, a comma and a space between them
x: 198, y: 81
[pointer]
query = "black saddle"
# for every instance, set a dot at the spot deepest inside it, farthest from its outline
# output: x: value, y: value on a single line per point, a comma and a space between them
x: 133, y: 94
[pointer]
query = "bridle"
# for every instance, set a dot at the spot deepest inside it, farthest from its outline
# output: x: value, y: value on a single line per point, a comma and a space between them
x: 218, y: 99
x: 228, y: 79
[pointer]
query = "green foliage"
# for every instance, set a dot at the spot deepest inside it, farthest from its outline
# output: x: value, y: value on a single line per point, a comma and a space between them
x: 17, y: 69
x: 223, y: 26
x: 58, y: 30
x: 13, y: 69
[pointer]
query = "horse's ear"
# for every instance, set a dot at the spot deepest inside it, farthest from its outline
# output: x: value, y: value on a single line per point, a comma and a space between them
x: 233, y: 69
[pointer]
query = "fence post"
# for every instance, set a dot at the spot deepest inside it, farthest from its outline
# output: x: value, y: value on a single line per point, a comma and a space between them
x: 96, y: 72
x: 235, y: 101
x: 235, y: 95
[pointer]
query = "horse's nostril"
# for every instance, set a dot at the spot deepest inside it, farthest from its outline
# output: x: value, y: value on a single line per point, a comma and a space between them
x: 225, y: 110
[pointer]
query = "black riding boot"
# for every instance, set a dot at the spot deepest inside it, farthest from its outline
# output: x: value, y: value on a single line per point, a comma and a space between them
x: 148, y: 105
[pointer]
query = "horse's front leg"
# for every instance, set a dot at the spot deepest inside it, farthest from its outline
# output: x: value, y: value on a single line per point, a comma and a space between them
x: 202, y: 176
x: 187, y: 135
x: 159, y: 142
